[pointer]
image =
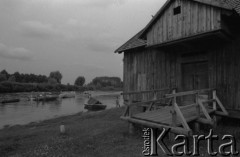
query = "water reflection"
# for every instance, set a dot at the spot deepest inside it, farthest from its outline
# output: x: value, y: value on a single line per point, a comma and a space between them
x: 25, y: 111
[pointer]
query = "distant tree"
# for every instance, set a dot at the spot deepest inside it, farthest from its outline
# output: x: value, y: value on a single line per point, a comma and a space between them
x: 106, y: 81
x: 42, y: 79
x: 80, y: 81
x: 3, y: 77
x: 33, y: 78
x: 5, y: 73
x: 52, y: 81
x: 56, y: 75
x: 12, y: 78
x: 17, y: 76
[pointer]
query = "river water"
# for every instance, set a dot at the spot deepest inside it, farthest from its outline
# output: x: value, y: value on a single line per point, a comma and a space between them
x: 26, y: 111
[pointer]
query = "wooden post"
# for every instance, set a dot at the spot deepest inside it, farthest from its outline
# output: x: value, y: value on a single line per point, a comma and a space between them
x: 130, y: 125
x: 154, y: 97
x: 196, y: 124
x: 174, y: 115
x: 214, y: 96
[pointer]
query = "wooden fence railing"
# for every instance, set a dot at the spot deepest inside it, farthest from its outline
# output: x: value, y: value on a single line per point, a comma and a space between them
x: 148, y: 103
x: 177, y: 112
x: 199, y: 105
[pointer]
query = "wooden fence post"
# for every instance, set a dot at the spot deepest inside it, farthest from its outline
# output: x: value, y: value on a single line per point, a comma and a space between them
x: 214, y: 96
x: 196, y: 124
x: 174, y: 115
x: 130, y: 125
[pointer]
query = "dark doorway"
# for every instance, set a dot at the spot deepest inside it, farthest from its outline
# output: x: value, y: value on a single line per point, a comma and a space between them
x: 194, y: 77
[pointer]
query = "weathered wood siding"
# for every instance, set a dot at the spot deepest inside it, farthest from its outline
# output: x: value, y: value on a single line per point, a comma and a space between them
x: 149, y: 69
x: 225, y: 73
x: 195, y: 18
x: 154, y: 68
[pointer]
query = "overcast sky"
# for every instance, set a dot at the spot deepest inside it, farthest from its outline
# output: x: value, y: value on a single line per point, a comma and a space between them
x: 76, y: 37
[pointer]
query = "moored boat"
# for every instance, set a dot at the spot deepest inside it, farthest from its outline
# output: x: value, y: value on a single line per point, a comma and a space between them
x: 94, y: 105
x: 10, y: 101
x: 46, y: 98
x: 67, y: 95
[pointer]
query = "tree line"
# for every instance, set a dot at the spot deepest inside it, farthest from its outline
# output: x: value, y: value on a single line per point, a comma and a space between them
x: 19, y: 82
x: 54, y: 77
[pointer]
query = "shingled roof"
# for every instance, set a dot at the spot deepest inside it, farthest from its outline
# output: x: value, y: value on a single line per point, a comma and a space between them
x: 134, y: 42
x: 137, y: 41
x: 235, y: 4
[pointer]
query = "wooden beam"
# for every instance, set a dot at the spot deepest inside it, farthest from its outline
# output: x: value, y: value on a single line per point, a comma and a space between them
x: 218, y: 113
x: 150, y: 107
x: 180, y: 115
x: 186, y: 39
x: 126, y: 112
x: 197, y: 126
x: 214, y: 97
x: 144, y: 102
x: 221, y: 106
x: 205, y: 121
x: 177, y: 130
x: 143, y: 92
x: 208, y: 101
x: 187, y: 107
x: 186, y: 93
x: 174, y: 115
x: 204, y: 110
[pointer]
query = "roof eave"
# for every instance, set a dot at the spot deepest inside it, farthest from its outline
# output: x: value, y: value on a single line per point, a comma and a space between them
x: 127, y: 49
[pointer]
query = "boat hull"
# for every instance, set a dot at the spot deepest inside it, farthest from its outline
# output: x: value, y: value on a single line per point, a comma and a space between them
x: 10, y: 101
x: 96, y: 107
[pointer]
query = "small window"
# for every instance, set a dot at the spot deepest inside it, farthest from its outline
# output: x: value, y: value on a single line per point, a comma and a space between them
x: 177, y: 10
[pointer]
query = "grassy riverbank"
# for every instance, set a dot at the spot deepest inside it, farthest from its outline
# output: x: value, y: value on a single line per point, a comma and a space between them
x: 100, y: 134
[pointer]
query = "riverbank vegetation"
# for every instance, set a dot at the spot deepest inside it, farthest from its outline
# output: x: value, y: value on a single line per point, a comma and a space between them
x: 100, y: 134
x: 15, y: 87
x: 106, y: 83
x: 17, y: 82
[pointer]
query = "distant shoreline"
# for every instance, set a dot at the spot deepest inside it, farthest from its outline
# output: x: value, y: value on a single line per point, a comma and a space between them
x: 15, y: 87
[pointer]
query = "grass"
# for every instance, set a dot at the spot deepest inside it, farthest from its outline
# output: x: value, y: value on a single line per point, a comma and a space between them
x: 100, y: 134
x: 92, y: 135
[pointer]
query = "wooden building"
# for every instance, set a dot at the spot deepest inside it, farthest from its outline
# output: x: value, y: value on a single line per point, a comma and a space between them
x: 188, y: 45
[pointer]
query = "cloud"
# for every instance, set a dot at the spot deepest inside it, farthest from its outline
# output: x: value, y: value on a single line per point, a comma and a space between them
x: 37, y: 29
x: 15, y: 53
x: 103, y: 3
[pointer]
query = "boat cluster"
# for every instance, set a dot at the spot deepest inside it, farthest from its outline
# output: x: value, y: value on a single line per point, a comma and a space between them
x: 38, y: 97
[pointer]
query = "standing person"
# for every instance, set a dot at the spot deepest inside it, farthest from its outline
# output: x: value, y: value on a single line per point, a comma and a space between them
x: 117, y: 102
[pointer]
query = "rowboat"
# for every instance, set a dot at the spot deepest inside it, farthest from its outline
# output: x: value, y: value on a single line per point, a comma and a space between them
x: 94, y: 105
x: 46, y: 98
x: 10, y: 101
x: 67, y: 95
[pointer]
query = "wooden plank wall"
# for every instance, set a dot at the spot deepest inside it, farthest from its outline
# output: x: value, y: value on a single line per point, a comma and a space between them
x: 195, y: 18
x: 148, y: 70
x: 152, y: 68
x: 225, y: 73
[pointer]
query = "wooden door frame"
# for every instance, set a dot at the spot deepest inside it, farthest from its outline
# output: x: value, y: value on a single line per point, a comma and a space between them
x: 203, y: 56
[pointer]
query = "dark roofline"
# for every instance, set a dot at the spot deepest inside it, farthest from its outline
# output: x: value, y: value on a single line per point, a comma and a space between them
x: 135, y: 39
x: 214, y: 3
x: 138, y: 40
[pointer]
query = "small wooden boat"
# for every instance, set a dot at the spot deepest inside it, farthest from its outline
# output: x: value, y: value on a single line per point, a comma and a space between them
x: 46, y: 98
x: 94, y: 105
x: 67, y: 95
x: 10, y: 101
